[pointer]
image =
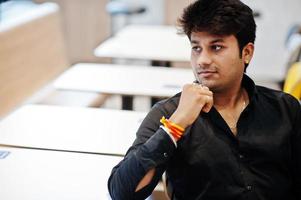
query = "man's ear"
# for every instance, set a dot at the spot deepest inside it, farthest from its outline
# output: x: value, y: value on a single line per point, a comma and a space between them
x: 247, y: 52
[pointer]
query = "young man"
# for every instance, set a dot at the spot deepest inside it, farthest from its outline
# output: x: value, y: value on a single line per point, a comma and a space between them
x: 226, y: 138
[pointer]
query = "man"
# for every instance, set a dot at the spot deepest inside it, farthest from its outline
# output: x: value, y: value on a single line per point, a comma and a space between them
x: 225, y: 138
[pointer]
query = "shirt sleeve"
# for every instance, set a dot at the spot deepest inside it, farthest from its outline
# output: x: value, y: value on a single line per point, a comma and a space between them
x: 296, y: 151
x: 169, y: 134
x: 152, y: 148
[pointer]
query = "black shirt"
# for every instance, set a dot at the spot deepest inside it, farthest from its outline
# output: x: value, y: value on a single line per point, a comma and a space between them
x: 263, y: 161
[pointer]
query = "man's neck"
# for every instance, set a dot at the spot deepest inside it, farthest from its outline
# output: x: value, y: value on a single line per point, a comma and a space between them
x: 229, y: 99
x: 230, y: 106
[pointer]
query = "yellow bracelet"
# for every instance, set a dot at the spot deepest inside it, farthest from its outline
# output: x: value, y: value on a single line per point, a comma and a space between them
x: 175, y: 130
x: 166, y: 121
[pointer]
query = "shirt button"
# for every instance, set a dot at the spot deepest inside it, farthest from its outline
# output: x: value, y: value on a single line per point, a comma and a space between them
x: 249, y: 187
x: 165, y: 155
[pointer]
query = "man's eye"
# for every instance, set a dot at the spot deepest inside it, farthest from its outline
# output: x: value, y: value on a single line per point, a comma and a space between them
x: 216, y: 47
x: 196, y: 49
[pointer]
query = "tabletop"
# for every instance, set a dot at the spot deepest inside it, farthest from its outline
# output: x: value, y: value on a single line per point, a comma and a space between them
x: 77, y: 129
x: 125, y: 79
x: 39, y: 174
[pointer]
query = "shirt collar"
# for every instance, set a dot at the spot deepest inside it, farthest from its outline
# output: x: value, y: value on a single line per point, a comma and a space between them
x: 250, y: 87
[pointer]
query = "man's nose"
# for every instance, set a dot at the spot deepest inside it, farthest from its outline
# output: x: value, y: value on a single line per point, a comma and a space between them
x: 204, y: 58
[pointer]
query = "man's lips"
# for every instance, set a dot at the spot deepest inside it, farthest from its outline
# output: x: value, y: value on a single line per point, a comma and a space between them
x: 206, y: 73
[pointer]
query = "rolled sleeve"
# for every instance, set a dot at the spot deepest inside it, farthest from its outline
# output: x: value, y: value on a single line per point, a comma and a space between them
x: 156, y: 151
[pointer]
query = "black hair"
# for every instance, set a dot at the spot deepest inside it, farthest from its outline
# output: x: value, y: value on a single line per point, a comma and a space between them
x: 220, y: 17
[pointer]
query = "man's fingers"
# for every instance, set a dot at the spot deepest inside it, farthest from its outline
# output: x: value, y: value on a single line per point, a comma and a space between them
x: 206, y: 96
x: 202, y: 89
x: 205, y: 88
x: 208, y: 105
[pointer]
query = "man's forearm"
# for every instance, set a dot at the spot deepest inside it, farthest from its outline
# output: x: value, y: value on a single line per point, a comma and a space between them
x: 126, y: 176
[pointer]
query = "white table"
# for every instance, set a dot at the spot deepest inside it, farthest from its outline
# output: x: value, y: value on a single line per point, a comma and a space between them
x: 39, y: 174
x: 148, y: 42
x: 162, y: 43
x: 125, y: 79
x: 76, y: 129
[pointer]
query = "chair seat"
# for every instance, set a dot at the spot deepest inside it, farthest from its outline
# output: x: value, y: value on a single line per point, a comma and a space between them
x: 292, y: 83
x: 123, y: 8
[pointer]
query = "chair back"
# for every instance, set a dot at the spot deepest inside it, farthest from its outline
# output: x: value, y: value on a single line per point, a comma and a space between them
x: 292, y: 84
x: 32, y: 53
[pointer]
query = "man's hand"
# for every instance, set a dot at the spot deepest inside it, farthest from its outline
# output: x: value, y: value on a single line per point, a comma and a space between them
x: 194, y: 99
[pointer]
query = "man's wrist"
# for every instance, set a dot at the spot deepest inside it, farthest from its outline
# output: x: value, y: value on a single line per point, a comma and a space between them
x: 178, y: 120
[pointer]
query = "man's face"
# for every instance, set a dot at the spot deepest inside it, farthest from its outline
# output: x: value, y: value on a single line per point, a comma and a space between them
x: 216, y: 60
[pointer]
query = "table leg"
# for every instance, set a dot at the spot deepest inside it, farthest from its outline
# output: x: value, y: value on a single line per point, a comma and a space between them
x: 127, y: 102
x: 161, y: 63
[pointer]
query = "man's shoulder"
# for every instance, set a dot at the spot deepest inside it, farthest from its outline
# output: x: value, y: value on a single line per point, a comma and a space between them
x: 269, y: 91
x: 273, y: 95
x: 169, y: 104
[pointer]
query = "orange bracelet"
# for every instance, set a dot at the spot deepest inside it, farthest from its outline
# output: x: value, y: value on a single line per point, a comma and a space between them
x: 175, y: 130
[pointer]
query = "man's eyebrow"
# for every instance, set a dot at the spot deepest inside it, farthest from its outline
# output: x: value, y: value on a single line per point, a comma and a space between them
x: 194, y: 42
x: 211, y: 42
x: 217, y: 40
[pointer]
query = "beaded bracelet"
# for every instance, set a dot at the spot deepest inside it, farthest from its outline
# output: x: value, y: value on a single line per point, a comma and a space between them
x: 175, y: 130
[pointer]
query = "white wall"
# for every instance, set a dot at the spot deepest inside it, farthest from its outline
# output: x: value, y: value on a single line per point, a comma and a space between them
x: 277, y: 16
x: 272, y: 27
